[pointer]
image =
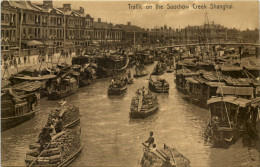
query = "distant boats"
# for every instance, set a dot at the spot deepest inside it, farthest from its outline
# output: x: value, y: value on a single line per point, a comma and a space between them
x: 159, y: 86
x: 117, y: 87
x: 159, y: 69
x: 140, y: 71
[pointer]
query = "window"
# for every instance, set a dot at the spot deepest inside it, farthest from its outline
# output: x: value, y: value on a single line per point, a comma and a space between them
x: 6, y: 18
x: 24, y: 31
x: 30, y: 17
x: 14, y: 34
x: 7, y: 34
x: 2, y: 34
x: 30, y: 30
x: 2, y: 16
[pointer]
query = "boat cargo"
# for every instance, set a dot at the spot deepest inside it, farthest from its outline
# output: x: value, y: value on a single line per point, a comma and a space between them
x: 159, y: 86
x: 63, y: 86
x: 143, y: 105
x: 117, y: 87
x: 165, y: 157
x: 61, y: 148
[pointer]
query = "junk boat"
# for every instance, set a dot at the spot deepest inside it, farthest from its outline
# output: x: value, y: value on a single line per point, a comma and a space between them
x: 17, y: 108
x: 143, y: 105
x: 159, y: 69
x: 58, y: 149
x: 110, y: 63
x: 66, y: 84
x: 159, y: 86
x: 140, y: 71
x: 87, y: 69
x: 165, y: 157
x: 117, y: 87
x: 227, y: 119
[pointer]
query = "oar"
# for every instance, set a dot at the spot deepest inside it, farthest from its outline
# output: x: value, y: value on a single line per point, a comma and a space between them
x: 39, y: 155
x: 163, y: 159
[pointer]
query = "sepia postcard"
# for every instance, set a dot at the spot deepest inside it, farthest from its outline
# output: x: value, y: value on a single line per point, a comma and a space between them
x: 121, y: 83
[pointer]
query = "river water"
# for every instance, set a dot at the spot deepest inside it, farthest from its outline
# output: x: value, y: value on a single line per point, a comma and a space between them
x: 111, y: 138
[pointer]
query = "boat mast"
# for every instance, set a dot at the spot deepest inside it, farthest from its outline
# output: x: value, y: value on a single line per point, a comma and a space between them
x: 134, y: 39
x: 64, y: 34
x: 20, y: 35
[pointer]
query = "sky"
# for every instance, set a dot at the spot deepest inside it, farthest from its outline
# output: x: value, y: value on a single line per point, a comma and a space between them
x: 243, y: 15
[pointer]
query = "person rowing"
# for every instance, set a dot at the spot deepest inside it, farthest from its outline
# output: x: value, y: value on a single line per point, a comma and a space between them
x: 150, y: 140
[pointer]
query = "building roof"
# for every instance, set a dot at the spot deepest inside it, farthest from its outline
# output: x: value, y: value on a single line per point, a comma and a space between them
x: 102, y: 25
x: 130, y: 28
x: 26, y: 5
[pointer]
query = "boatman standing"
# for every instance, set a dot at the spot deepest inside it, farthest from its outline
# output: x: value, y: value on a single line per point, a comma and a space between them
x: 150, y: 140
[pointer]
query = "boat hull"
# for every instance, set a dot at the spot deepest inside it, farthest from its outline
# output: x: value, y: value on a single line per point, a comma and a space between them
x: 140, y: 75
x: 155, y: 89
x: 61, y: 94
x: 116, y: 91
x: 143, y: 114
x: 10, y: 122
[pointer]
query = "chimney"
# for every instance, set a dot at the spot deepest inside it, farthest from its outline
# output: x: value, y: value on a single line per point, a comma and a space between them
x: 129, y: 23
x: 47, y: 3
x: 67, y: 7
x: 99, y: 20
x: 81, y: 10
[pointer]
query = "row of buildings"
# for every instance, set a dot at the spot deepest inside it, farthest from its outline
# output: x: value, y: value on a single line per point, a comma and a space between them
x: 25, y: 24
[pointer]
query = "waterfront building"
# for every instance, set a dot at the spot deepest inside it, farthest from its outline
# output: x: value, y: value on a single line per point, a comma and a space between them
x: 106, y: 34
x: 132, y: 35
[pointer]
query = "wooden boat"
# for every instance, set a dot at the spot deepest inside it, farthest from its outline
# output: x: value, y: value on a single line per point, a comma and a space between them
x: 64, y: 147
x: 87, y: 69
x: 16, y: 109
x: 117, y: 87
x: 159, y: 86
x: 108, y: 64
x: 140, y: 71
x: 227, y: 119
x: 159, y: 69
x: 64, y: 85
x: 87, y: 74
x: 130, y: 80
x: 143, y: 106
x: 166, y: 156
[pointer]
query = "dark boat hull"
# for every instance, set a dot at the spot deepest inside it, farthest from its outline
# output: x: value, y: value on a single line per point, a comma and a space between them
x: 140, y: 75
x: 155, y: 89
x: 86, y: 82
x: 10, y: 122
x: 143, y: 114
x: 116, y: 91
x: 61, y: 94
